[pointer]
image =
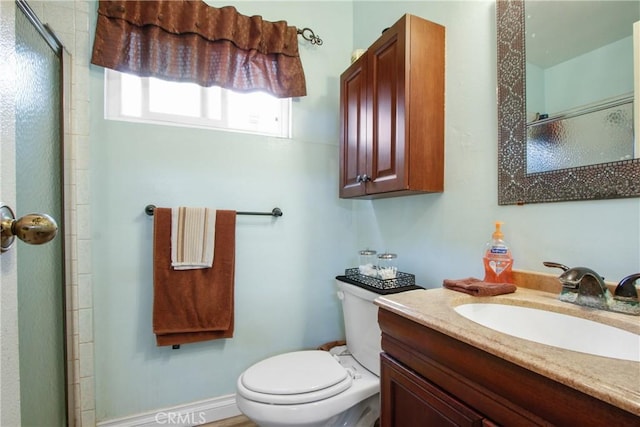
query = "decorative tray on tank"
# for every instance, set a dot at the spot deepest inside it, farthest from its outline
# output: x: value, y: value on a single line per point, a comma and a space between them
x: 401, y: 280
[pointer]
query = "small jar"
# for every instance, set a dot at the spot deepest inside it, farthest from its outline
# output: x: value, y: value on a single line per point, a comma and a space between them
x: 387, y: 266
x: 367, y: 266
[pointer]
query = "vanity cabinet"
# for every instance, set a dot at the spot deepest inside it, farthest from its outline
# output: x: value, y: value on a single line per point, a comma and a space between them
x: 410, y: 400
x: 430, y: 378
x: 392, y: 114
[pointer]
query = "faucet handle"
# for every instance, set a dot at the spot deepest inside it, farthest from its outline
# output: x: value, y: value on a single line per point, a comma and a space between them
x: 568, y: 280
x: 555, y: 265
x: 572, y: 276
x: 627, y: 288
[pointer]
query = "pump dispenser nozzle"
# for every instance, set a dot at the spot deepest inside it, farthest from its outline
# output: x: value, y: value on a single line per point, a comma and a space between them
x: 497, y: 235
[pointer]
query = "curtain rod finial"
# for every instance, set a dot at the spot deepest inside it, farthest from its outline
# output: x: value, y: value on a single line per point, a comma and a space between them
x: 309, y: 35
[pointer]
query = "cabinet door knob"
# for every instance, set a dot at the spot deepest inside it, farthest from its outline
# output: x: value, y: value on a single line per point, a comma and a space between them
x: 359, y: 178
x: 366, y: 178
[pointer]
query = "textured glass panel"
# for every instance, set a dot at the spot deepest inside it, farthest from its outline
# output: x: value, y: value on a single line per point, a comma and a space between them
x: 40, y: 268
x: 597, y: 137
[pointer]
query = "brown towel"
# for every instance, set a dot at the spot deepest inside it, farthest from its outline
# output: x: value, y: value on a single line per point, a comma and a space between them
x: 193, y: 305
x: 478, y: 288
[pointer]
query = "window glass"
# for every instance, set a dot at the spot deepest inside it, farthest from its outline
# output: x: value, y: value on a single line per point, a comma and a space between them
x: 182, y: 99
x: 263, y: 112
x: 131, y: 105
x: 151, y: 100
x: 214, y: 103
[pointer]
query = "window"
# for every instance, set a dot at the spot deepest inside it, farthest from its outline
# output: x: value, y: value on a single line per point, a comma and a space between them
x: 152, y: 100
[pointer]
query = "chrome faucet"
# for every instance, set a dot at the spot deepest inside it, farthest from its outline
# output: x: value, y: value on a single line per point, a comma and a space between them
x: 585, y: 287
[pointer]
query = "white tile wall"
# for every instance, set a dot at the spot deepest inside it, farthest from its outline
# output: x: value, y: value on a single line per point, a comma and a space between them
x: 70, y: 22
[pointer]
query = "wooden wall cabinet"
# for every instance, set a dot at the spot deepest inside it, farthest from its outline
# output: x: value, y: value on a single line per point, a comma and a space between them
x: 429, y: 378
x: 392, y: 114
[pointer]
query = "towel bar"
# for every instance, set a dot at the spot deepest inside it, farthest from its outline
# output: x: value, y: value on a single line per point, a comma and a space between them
x: 149, y: 209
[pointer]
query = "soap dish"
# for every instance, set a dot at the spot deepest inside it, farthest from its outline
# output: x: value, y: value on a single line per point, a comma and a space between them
x: 401, y: 280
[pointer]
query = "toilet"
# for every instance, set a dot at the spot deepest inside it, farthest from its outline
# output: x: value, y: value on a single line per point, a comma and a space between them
x: 312, y: 388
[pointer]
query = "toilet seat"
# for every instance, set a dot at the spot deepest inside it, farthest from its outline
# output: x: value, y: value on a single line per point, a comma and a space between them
x: 294, y: 378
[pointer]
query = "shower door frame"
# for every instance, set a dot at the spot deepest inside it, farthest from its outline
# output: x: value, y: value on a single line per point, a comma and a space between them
x: 10, y: 402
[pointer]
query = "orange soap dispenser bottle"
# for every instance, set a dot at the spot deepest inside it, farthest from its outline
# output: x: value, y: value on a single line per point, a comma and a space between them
x: 498, y: 261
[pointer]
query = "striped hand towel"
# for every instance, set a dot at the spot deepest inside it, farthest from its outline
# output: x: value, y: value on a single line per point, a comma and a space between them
x: 192, y: 237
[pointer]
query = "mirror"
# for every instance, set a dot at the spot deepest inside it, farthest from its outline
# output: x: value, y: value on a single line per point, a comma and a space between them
x: 579, y: 82
x: 613, y: 179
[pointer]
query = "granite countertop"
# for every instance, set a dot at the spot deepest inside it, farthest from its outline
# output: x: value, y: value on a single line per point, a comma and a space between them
x: 611, y: 380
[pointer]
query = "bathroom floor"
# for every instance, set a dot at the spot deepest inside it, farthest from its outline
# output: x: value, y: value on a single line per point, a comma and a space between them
x: 239, y: 421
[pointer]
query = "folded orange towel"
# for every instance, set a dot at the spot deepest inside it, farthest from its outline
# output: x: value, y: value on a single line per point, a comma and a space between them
x: 478, y: 288
x: 193, y: 305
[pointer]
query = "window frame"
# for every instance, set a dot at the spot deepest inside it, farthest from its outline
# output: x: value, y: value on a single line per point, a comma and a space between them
x: 113, y: 98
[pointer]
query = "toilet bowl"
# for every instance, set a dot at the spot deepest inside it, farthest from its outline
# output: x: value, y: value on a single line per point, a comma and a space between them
x: 309, y: 388
x: 312, y: 388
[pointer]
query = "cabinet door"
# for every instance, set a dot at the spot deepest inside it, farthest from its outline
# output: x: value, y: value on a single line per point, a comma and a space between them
x: 410, y: 400
x: 353, y: 128
x: 386, y: 163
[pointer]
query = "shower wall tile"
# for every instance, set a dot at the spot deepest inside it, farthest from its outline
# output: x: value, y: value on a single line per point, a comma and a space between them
x: 84, y: 256
x: 85, y: 327
x: 88, y: 418
x: 83, y: 194
x: 81, y: 152
x: 70, y: 21
x: 83, y: 213
x: 85, y: 291
x: 80, y: 117
x: 86, y: 360
x: 87, y: 393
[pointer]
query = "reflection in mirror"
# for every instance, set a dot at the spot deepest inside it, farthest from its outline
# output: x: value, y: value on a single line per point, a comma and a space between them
x: 612, y: 178
x: 579, y: 82
x: 636, y: 87
x: 591, y: 135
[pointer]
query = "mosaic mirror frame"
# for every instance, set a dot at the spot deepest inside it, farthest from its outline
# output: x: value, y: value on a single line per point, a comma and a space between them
x: 619, y: 179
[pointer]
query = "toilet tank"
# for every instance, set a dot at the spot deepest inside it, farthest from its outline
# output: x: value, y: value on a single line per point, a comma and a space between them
x: 361, y: 324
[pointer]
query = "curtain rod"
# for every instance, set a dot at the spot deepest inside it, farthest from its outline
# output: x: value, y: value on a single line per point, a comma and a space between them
x: 309, y: 35
x: 150, y: 209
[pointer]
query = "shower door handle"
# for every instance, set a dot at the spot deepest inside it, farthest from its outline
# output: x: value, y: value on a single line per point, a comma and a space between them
x: 34, y: 228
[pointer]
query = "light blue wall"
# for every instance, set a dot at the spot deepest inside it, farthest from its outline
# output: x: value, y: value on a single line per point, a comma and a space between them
x: 442, y: 235
x: 600, y: 74
x: 284, y: 268
x: 535, y: 91
x: 603, y: 73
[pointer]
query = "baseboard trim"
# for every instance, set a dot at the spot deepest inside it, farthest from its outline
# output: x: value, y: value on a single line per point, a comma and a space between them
x: 187, y: 415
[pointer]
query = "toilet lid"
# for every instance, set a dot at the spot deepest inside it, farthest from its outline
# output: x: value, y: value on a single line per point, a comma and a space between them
x: 298, y: 377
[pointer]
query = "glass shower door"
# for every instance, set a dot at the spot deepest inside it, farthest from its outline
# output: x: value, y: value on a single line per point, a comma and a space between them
x: 41, y: 296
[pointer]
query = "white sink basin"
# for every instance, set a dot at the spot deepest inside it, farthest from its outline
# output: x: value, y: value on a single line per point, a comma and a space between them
x: 555, y: 329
